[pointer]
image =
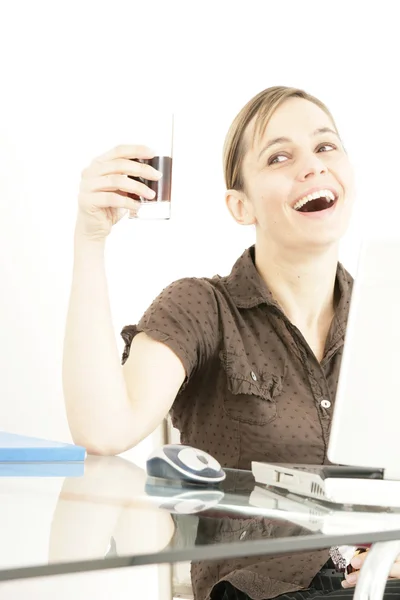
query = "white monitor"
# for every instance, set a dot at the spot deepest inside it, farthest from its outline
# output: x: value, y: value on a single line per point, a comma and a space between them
x: 365, y: 429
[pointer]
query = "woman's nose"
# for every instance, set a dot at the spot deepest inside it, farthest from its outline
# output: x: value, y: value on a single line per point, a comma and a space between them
x: 312, y: 166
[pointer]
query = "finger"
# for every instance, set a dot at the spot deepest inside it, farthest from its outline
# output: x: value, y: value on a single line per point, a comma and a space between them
x: 111, y: 183
x: 127, y: 151
x: 358, y: 561
x: 395, y: 571
x: 123, y: 166
x: 111, y: 200
x: 351, y: 580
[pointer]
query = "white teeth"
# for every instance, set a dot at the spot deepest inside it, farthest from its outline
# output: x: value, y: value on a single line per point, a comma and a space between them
x: 330, y: 196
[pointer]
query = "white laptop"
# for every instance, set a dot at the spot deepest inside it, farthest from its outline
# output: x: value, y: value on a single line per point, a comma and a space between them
x: 365, y: 431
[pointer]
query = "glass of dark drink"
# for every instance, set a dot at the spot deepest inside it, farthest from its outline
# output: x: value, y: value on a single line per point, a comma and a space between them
x: 159, y: 137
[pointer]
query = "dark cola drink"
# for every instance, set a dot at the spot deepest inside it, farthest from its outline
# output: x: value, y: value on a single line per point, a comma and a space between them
x: 159, y: 206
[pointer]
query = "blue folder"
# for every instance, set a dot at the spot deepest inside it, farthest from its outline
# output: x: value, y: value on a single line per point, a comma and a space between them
x: 16, y: 448
x: 42, y: 469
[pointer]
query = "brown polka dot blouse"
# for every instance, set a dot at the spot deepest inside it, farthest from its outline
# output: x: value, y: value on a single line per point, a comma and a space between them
x: 254, y: 390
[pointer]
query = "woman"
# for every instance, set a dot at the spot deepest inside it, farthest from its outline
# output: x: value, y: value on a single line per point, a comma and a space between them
x: 247, y: 364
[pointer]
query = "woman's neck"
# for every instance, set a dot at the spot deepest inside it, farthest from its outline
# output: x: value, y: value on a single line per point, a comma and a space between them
x: 303, y: 283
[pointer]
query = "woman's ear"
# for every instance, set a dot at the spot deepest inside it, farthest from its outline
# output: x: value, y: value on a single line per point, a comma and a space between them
x: 240, y: 207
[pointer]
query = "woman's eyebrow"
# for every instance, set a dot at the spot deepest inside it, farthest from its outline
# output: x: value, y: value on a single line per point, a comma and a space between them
x: 286, y: 140
x: 326, y: 130
x: 278, y: 140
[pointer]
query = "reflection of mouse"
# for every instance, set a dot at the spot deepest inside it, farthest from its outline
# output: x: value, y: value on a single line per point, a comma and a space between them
x: 183, y: 501
x: 174, y: 461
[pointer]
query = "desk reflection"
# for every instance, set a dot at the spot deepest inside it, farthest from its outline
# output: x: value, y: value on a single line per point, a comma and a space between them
x: 104, y: 514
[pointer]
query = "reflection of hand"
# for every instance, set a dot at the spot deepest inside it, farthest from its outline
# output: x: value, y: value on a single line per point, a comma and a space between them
x: 358, y: 561
x: 106, y: 502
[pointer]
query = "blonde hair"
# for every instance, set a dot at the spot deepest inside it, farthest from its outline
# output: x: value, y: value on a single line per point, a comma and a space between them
x: 261, y: 108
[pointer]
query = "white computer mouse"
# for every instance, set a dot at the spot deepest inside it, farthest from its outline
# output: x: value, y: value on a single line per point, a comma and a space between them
x: 175, y: 461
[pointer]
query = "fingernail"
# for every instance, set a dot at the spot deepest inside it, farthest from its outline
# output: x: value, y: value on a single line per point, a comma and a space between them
x: 351, y: 578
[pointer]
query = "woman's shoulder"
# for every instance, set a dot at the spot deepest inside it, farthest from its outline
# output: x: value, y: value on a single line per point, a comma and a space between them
x: 239, y: 286
x: 186, y: 287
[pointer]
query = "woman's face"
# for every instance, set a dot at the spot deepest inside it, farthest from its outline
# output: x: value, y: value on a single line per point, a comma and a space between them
x: 299, y: 154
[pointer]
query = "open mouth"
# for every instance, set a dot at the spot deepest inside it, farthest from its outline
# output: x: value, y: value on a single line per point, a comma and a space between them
x: 316, y: 202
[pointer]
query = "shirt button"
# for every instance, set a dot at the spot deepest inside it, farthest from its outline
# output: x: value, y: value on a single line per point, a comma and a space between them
x: 325, y: 403
x: 253, y: 376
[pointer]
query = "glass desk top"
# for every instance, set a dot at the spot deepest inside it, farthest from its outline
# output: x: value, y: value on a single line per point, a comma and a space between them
x: 112, y: 515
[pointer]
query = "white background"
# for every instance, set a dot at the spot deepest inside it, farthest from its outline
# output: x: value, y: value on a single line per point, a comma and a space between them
x: 76, y: 78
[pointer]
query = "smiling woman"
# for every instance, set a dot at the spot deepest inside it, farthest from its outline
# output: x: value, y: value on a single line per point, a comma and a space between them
x: 247, y: 364
x: 283, y: 152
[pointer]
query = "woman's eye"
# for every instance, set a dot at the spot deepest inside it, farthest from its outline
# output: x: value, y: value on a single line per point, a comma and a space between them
x: 274, y: 159
x: 329, y: 146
